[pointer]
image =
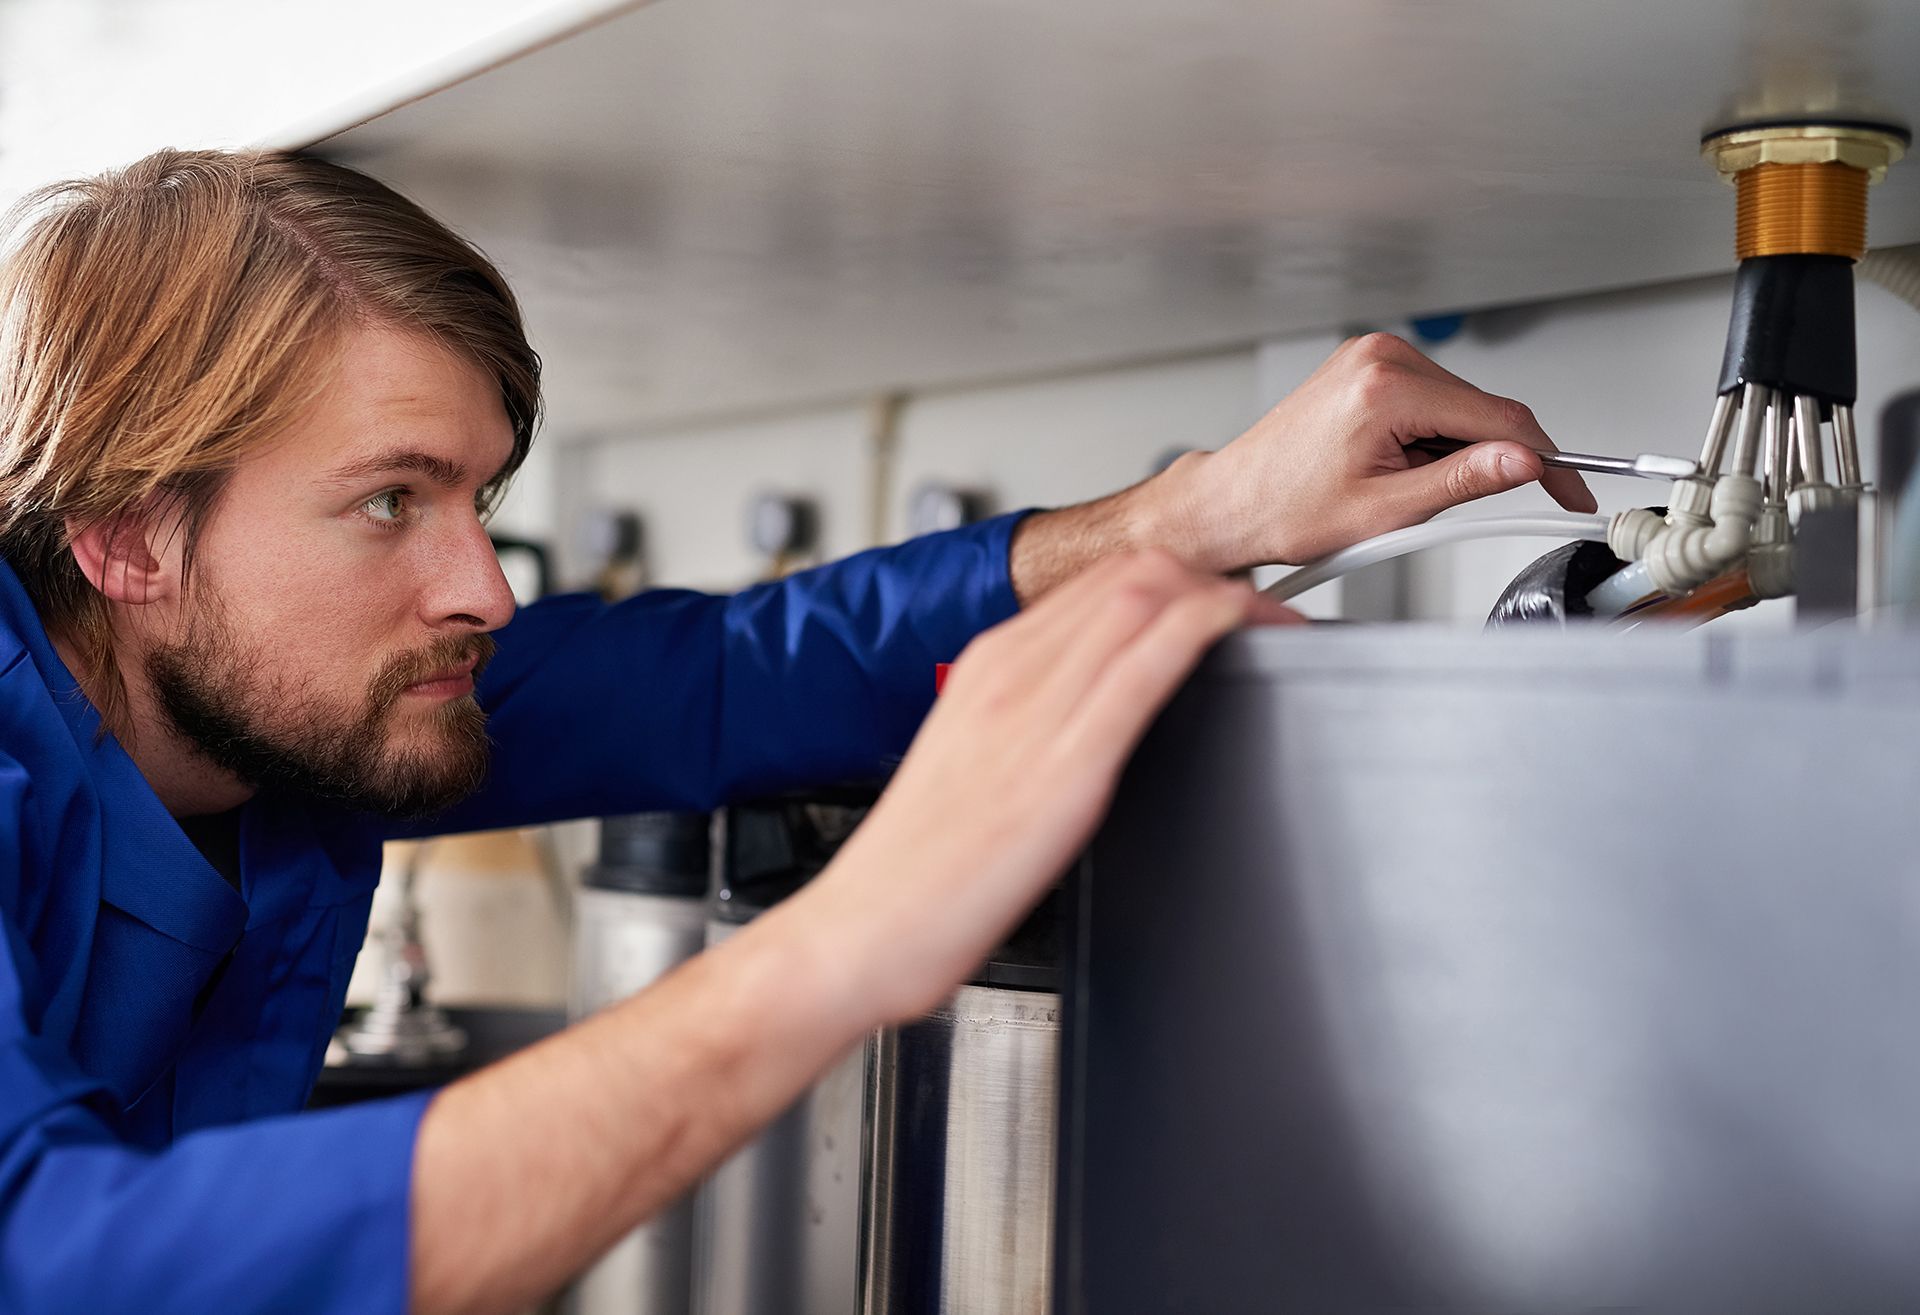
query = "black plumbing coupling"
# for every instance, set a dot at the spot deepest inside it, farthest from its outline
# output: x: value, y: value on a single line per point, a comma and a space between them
x: 1792, y: 329
x: 1553, y: 589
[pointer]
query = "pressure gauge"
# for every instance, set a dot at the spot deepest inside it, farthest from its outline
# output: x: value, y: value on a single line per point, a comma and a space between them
x: 937, y: 506
x: 608, y: 535
x: 779, y: 523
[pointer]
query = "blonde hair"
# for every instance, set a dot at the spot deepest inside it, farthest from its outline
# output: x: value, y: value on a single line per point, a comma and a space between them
x: 159, y: 322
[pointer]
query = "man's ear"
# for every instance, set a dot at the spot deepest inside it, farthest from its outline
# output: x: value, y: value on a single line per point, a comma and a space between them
x: 125, y: 556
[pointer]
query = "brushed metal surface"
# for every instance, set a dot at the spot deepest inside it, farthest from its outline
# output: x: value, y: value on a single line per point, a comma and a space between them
x: 715, y: 205
x: 961, y: 1117
x: 1451, y: 974
x: 777, y: 1226
x: 622, y: 942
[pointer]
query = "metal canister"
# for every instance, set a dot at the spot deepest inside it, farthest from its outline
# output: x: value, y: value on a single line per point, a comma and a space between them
x: 960, y: 1117
x: 641, y: 910
x: 777, y: 1226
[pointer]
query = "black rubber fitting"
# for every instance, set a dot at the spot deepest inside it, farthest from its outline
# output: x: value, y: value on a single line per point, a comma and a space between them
x: 1896, y: 130
x: 1792, y: 328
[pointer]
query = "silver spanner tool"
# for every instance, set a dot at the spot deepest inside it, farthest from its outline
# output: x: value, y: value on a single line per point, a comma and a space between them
x: 1648, y: 465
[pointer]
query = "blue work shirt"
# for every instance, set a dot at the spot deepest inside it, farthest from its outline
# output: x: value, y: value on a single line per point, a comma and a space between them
x: 160, y: 1030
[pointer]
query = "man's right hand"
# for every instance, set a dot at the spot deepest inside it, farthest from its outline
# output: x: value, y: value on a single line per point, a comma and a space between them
x: 1014, y: 769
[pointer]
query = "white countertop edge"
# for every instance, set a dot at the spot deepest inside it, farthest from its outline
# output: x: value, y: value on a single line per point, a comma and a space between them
x: 564, y: 19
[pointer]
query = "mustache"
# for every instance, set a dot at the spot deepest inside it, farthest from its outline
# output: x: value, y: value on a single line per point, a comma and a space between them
x: 408, y: 669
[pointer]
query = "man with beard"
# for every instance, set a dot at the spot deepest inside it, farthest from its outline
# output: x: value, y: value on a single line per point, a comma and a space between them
x: 253, y: 412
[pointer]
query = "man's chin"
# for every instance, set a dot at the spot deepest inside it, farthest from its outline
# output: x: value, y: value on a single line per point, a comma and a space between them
x: 411, y: 787
x: 429, y: 765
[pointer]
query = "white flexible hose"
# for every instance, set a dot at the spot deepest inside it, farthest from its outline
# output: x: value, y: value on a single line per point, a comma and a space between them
x: 1458, y: 529
x: 1897, y: 269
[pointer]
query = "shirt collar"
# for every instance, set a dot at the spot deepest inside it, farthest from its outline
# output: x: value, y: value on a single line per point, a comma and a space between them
x: 151, y: 870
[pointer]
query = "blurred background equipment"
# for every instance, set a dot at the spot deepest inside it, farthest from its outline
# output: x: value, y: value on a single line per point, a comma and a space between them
x: 528, y: 564
x: 612, y: 545
x: 1897, y: 557
x: 937, y: 506
x: 403, y: 1027
x: 784, y: 530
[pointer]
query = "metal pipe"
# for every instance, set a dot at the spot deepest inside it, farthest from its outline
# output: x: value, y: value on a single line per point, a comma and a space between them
x: 1779, y: 453
x: 1846, y: 446
x: 1806, y: 419
x: 1714, y: 450
x: 1753, y: 415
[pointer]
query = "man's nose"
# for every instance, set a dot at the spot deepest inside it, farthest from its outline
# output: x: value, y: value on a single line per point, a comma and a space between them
x: 470, y: 588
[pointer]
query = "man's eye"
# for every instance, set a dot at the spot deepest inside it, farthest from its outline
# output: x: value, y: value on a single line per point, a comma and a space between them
x: 386, y: 506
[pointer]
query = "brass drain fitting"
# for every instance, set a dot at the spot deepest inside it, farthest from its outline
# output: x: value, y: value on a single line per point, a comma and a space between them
x: 1802, y: 187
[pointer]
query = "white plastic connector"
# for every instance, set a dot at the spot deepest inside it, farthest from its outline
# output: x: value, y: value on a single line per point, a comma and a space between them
x: 1687, y: 556
x: 1630, y: 531
x: 1691, y: 504
x: 1634, y: 534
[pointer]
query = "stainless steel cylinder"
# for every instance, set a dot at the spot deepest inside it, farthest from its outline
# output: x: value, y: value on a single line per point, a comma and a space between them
x: 959, y: 1183
x: 622, y: 942
x: 777, y: 1226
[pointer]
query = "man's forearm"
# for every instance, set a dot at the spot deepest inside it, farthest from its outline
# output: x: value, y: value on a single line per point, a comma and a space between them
x: 1051, y: 547
x: 526, y: 1171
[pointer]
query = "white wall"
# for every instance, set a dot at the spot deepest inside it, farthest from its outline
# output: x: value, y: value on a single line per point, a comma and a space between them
x: 1063, y: 440
x: 1619, y: 373
x: 692, y: 487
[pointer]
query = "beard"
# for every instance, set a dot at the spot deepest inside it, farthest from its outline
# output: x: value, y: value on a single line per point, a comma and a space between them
x: 218, y: 694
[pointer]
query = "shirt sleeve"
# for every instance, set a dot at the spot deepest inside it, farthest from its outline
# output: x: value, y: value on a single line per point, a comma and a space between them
x: 305, y: 1214
x: 681, y: 700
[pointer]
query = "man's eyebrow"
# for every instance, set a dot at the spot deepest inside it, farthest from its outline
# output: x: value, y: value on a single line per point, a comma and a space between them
x: 447, y: 474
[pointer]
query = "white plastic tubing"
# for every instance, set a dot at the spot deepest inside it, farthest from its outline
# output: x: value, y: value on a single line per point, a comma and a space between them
x: 1897, y: 269
x: 1456, y: 529
x: 1621, y: 590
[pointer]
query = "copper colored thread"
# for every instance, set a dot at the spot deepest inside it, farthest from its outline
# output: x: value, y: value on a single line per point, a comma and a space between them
x: 1801, y: 210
